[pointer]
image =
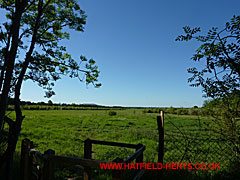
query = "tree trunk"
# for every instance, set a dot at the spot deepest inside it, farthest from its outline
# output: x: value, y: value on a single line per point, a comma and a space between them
x: 15, y: 131
x: 12, y: 141
x: 10, y: 56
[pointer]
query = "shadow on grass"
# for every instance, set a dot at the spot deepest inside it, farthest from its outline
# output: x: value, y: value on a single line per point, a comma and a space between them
x: 232, y: 172
x: 16, y: 168
x: 65, y: 171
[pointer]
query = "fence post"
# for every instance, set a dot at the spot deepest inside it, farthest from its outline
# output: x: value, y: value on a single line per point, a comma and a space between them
x: 116, y: 173
x: 139, y: 159
x: 48, y: 168
x: 26, y: 160
x: 87, y: 155
x: 160, y: 123
x: 30, y: 160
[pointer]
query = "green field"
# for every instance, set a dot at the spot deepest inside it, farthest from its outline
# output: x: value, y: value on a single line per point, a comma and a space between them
x: 65, y: 130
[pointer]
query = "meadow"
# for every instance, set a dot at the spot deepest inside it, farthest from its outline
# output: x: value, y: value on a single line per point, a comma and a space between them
x: 65, y: 130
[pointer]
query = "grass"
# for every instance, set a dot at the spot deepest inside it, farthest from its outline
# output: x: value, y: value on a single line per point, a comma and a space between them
x: 65, y: 130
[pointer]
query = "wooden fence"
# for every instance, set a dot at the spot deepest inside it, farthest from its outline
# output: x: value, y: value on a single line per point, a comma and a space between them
x: 30, y: 170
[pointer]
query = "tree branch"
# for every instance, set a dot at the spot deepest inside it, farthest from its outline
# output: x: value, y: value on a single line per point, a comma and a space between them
x: 47, y: 3
x: 23, y: 33
x: 229, y: 59
x: 18, y: 111
x: 29, y: 5
x: 11, y: 56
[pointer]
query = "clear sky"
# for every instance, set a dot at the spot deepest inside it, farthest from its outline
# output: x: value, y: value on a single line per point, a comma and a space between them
x: 133, y: 42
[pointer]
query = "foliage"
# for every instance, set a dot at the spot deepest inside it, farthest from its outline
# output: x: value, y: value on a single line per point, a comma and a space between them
x: 59, y: 107
x: 171, y: 110
x: 220, y: 51
x: 220, y: 78
x: 154, y: 110
x: 50, y: 102
x: 226, y: 113
x: 182, y: 111
x: 31, y: 49
x: 179, y: 111
x: 45, y: 25
x: 112, y: 113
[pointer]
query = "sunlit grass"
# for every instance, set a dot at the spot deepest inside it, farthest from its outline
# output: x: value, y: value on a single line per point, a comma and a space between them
x: 65, y: 131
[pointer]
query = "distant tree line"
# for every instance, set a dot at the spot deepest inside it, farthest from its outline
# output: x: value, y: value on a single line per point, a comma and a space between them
x: 28, y: 105
x: 210, y: 108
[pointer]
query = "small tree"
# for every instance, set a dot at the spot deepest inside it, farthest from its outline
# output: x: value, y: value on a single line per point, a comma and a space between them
x: 50, y: 102
x: 220, y: 78
x: 30, y: 49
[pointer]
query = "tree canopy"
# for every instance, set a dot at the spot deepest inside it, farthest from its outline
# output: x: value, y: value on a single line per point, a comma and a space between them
x: 220, y: 51
x: 220, y: 78
x: 43, y: 25
x: 31, y: 49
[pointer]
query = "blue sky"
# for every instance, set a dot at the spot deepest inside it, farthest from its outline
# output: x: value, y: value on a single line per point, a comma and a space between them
x: 133, y: 42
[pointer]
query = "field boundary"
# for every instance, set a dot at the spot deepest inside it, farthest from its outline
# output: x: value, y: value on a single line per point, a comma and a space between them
x: 31, y: 170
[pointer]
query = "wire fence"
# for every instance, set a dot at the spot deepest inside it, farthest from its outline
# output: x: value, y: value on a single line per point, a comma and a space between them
x: 196, y: 145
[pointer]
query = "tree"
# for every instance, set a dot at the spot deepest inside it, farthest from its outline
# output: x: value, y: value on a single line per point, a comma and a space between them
x: 220, y: 78
x: 50, y: 102
x: 220, y: 50
x: 30, y: 49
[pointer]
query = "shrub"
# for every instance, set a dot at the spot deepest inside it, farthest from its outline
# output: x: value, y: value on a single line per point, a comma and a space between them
x: 150, y: 111
x: 112, y: 113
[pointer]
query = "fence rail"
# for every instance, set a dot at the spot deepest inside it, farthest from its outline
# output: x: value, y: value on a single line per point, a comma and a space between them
x: 31, y: 170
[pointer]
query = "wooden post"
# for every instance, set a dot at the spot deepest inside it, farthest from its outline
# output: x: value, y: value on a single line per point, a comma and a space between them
x: 139, y: 159
x: 87, y: 155
x: 26, y: 163
x: 160, y: 123
x: 116, y: 173
x: 30, y: 160
x: 23, y: 163
x: 48, y: 168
